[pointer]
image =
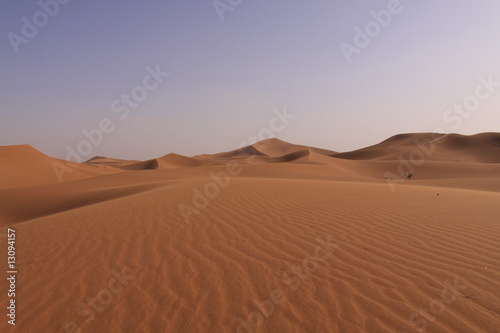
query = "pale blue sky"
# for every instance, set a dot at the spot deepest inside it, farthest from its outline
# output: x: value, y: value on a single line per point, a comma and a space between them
x: 226, y: 77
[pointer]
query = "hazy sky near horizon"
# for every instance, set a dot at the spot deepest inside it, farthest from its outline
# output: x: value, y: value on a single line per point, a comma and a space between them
x: 227, y: 76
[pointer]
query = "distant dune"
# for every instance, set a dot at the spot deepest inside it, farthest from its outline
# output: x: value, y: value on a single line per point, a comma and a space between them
x: 170, y: 161
x: 479, y: 148
x: 101, y: 161
x: 278, y: 148
x: 482, y: 148
x: 264, y: 151
x: 271, y: 237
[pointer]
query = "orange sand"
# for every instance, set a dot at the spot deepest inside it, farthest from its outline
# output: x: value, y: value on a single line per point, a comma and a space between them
x: 200, y: 250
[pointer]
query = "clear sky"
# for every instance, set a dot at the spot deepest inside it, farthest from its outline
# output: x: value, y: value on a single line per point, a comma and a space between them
x: 226, y: 76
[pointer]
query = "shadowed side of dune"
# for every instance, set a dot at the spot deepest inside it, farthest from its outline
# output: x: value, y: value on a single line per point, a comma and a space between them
x: 236, y: 154
x: 52, y: 199
x: 306, y: 156
x: 145, y: 165
x: 479, y: 148
x: 170, y: 161
x: 102, y: 161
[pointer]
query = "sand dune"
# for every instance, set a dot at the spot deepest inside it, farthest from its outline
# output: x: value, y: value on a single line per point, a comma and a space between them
x: 307, y: 156
x: 298, y: 239
x: 276, y: 148
x: 482, y: 148
x: 170, y: 161
x: 110, y: 162
x: 23, y: 166
x: 264, y: 151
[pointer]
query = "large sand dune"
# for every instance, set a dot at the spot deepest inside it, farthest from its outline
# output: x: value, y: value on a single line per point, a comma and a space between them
x: 22, y: 166
x: 272, y: 237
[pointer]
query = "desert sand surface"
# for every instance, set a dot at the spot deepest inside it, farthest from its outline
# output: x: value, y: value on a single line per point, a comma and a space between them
x: 273, y: 237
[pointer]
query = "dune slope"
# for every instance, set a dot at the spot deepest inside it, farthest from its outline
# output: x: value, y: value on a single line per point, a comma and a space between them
x: 23, y: 166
